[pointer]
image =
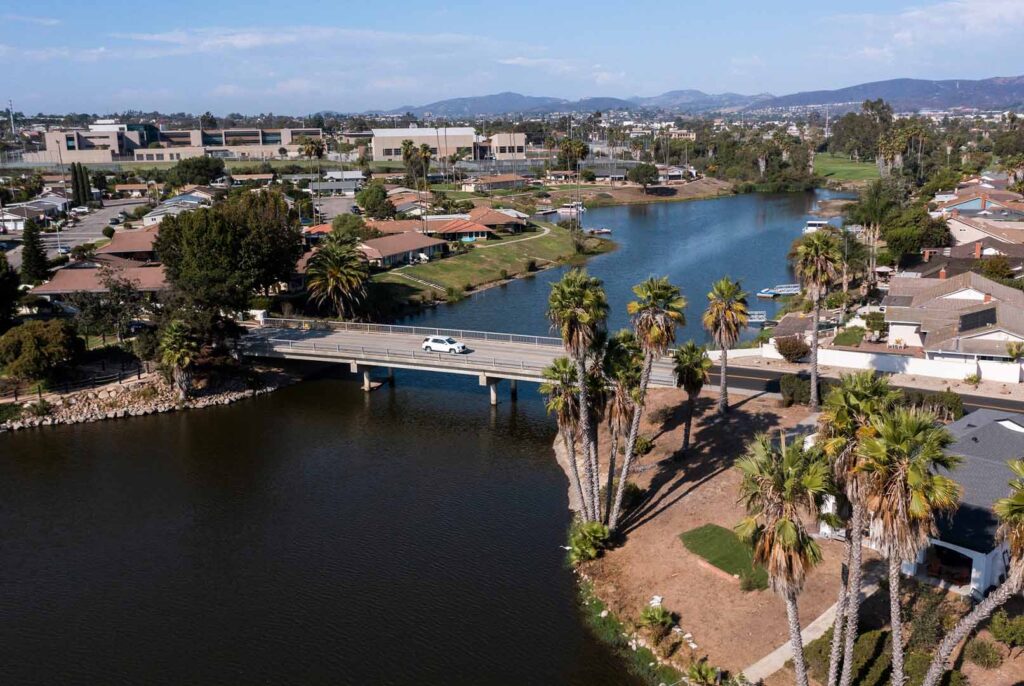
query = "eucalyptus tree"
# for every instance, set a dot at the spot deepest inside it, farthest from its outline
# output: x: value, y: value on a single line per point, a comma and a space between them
x: 725, y: 319
x: 656, y: 313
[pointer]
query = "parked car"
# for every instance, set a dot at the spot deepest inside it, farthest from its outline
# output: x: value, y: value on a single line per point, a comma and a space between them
x: 443, y: 344
x: 81, y: 209
x: 355, y: 209
x: 63, y: 250
x: 114, y: 221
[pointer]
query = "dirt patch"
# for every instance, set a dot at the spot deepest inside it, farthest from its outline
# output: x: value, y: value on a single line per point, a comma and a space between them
x: 734, y: 628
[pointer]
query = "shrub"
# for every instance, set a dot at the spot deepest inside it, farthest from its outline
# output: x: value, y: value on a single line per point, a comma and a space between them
x: 792, y: 348
x: 795, y: 389
x: 10, y: 412
x: 40, y: 408
x: 260, y: 302
x: 146, y: 345
x: 504, y: 275
x: 37, y: 349
x: 1007, y: 630
x: 983, y: 653
x: 657, y: 619
x: 643, y: 445
x: 531, y: 265
x: 926, y: 627
x: 467, y: 287
x: 973, y: 379
x: 453, y: 294
x: 632, y: 495
x: 836, y: 299
x: 586, y: 541
x: 108, y: 231
x: 875, y: 321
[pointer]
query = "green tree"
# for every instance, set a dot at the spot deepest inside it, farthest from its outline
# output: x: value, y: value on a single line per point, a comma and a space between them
x: 37, y: 350
x: 816, y: 262
x: 9, y: 293
x: 588, y: 176
x: 337, y: 274
x: 656, y: 314
x: 692, y: 369
x: 207, y: 121
x: 272, y: 239
x: 878, y: 205
x: 34, y: 267
x: 846, y: 416
x: 572, y: 151
x: 560, y: 389
x: 904, y: 493
x: 1010, y: 511
x: 352, y: 225
x: 781, y: 487
x: 178, y: 350
x: 644, y: 175
x: 578, y: 308
x: 197, y: 170
x: 375, y: 202
x: 725, y: 319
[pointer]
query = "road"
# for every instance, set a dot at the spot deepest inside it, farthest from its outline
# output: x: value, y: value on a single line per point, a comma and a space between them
x: 89, y: 229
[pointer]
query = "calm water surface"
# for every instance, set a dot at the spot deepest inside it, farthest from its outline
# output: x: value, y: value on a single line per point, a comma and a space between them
x: 321, y: 535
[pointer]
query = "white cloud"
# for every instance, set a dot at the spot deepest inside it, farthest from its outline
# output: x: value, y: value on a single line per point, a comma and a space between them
x: 294, y: 86
x: 552, y: 65
x: 227, y: 90
x: 38, y: 21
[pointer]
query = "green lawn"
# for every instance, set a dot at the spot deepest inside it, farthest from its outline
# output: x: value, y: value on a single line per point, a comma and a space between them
x: 842, y: 168
x: 484, y: 265
x: 722, y: 548
x: 851, y: 337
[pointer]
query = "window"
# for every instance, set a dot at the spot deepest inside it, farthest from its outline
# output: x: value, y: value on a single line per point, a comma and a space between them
x: 160, y: 157
x: 520, y: 149
x: 149, y: 156
x: 503, y: 149
x: 433, y: 151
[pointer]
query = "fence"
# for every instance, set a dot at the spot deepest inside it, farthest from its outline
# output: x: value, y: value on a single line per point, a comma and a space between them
x: 25, y: 391
x: 389, y: 329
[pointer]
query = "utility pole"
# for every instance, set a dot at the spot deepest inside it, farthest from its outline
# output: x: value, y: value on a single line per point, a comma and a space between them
x: 10, y: 113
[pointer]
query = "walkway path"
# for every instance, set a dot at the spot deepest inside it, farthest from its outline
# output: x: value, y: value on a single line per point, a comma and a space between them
x: 545, y: 231
x: 776, y: 660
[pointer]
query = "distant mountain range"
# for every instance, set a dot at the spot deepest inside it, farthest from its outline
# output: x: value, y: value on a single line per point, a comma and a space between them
x: 903, y: 94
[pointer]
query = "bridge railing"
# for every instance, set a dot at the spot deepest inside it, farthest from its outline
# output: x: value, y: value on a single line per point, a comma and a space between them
x: 385, y: 355
x: 359, y: 327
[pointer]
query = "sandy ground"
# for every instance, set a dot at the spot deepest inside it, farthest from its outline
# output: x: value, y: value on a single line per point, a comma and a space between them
x: 621, y: 194
x: 733, y: 628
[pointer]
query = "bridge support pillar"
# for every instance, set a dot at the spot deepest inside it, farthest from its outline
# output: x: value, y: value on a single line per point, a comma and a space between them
x: 492, y: 387
x: 366, y: 379
x: 391, y: 376
x: 513, y: 390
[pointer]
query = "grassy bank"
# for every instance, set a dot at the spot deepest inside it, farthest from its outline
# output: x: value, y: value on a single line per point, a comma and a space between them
x: 493, y: 261
x: 842, y: 168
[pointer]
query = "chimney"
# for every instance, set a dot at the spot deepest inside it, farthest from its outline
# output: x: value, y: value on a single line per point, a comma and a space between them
x: 942, y: 273
x: 988, y: 298
x: 984, y: 200
x: 977, y: 250
x: 927, y: 255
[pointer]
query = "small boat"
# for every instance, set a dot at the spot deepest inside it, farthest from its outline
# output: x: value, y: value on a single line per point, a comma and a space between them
x: 766, y: 293
x: 598, y: 232
x: 814, y: 225
x: 572, y: 208
x: 549, y: 210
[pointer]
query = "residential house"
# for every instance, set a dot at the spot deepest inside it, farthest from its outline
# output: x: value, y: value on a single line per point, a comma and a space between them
x: 967, y: 256
x: 259, y: 179
x: 560, y: 176
x: 463, y: 230
x: 137, y: 245
x: 498, y: 220
x: 493, y: 182
x: 961, y: 317
x: 132, y: 190
x: 967, y: 554
x: 403, y: 248
x: 167, y: 209
x: 88, y: 278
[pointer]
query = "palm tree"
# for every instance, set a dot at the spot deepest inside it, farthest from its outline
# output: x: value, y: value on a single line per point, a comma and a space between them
x: 846, y: 416
x: 725, y: 319
x: 1010, y: 511
x: 875, y: 207
x: 424, y: 158
x: 178, y: 350
x: 623, y: 367
x: 314, y: 148
x: 904, y: 493
x: 578, y: 308
x: 780, y: 487
x: 562, y: 400
x: 692, y: 370
x: 815, y: 262
x: 337, y: 274
x: 656, y: 312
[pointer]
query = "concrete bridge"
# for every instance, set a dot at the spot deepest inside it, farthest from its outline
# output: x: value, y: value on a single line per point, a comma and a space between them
x: 492, y: 357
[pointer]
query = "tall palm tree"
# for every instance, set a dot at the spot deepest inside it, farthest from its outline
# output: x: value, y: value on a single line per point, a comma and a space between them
x: 337, y: 274
x: 781, y: 486
x: 578, y: 308
x: 656, y: 313
x: 876, y: 206
x: 560, y: 387
x: 904, y: 493
x: 725, y: 319
x: 425, y: 156
x: 692, y: 370
x: 816, y: 261
x: 178, y: 350
x: 846, y: 417
x: 623, y: 367
x: 1010, y: 511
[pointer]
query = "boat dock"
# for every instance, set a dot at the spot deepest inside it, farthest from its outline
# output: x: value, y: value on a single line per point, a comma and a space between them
x: 780, y: 289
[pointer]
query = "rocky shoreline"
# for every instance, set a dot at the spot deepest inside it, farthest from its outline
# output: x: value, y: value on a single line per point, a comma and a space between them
x: 139, y: 398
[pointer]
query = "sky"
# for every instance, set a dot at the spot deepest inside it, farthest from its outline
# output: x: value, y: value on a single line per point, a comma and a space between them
x: 258, y: 56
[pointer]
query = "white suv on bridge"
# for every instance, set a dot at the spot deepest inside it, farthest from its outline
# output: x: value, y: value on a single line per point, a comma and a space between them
x: 443, y: 344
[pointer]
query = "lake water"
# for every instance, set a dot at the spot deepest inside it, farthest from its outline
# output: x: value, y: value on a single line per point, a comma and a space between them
x: 322, y: 535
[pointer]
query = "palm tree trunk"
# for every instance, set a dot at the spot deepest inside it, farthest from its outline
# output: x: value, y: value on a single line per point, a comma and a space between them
x: 970, y: 622
x: 723, y: 389
x: 814, y: 354
x: 585, y: 435
x: 896, y: 621
x: 595, y: 487
x: 799, y: 666
x: 690, y: 401
x: 846, y: 280
x: 634, y: 430
x: 610, y: 488
x: 856, y: 532
x: 838, y: 627
x: 574, y: 470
